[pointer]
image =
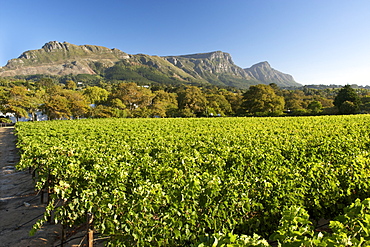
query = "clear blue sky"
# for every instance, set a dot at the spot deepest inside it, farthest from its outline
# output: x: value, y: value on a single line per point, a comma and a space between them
x: 316, y: 41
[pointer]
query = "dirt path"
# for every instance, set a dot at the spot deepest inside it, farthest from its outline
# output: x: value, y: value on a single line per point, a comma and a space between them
x: 20, y: 206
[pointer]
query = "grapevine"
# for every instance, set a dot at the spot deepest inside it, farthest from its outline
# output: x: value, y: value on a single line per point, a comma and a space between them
x: 166, y: 182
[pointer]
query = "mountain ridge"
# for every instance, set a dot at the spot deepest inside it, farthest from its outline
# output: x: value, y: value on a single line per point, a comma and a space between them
x: 264, y: 72
x: 214, y: 68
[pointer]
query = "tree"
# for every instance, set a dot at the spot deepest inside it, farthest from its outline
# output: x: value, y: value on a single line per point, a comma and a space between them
x: 262, y: 99
x: 96, y: 95
x: 118, y: 108
x: 35, y: 100
x: 218, y: 104
x: 294, y: 100
x: 18, y: 102
x: 315, y: 107
x: 62, y: 103
x: 4, y: 96
x: 77, y: 104
x: 348, y: 107
x: 235, y: 100
x: 349, y: 98
x: 132, y: 95
x: 71, y: 85
x: 192, y: 99
x: 164, y: 104
x: 45, y: 83
x: 365, y: 103
x: 57, y: 107
x: 102, y: 111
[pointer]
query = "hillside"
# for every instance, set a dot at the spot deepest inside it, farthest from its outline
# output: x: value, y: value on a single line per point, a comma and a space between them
x: 56, y: 58
x: 264, y: 73
x: 214, y: 68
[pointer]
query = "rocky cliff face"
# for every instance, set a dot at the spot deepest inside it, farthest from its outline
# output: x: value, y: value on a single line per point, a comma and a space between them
x: 61, y: 59
x: 214, y: 62
x: 217, y: 68
x: 264, y: 73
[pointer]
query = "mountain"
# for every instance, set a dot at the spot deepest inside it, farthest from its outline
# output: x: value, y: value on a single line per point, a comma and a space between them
x: 213, y: 68
x: 265, y: 74
x: 56, y: 58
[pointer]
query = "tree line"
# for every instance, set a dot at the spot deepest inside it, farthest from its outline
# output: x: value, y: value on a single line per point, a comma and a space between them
x: 71, y: 100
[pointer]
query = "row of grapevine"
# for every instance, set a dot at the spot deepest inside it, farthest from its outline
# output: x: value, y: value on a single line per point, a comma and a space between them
x: 166, y: 182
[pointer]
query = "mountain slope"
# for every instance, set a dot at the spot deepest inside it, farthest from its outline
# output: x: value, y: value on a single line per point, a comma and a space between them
x: 213, y: 68
x: 265, y: 74
x: 57, y: 58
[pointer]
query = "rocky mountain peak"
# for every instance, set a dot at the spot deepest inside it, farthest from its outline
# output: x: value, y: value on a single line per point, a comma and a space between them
x: 265, y: 73
x: 55, y: 45
x: 61, y: 58
x: 214, y: 62
x: 264, y: 64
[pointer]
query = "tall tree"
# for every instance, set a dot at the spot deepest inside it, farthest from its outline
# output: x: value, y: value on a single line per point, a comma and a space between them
x: 218, y: 104
x: 4, y: 96
x: 71, y: 85
x: 315, y: 107
x: 347, y: 101
x: 235, y: 100
x: 57, y: 107
x: 77, y: 103
x: 35, y: 100
x: 132, y: 95
x: 63, y: 103
x: 294, y: 100
x: 96, y: 95
x: 18, y: 102
x: 164, y: 104
x: 45, y: 83
x: 262, y: 99
x: 191, y: 99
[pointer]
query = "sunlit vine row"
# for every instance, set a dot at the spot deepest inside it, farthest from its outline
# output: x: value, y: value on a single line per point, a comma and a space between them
x: 166, y: 182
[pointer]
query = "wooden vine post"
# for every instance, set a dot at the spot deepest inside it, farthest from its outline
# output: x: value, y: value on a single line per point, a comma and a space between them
x: 90, y: 231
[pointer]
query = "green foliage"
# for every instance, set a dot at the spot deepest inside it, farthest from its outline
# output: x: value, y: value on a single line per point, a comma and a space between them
x: 192, y: 99
x: 45, y: 83
x: 70, y: 85
x: 262, y: 99
x: 96, y: 95
x: 348, y: 107
x: 166, y: 182
x: 350, y: 229
x: 61, y: 103
x: 315, y: 107
x: 347, y: 100
x: 295, y: 228
x: 231, y: 240
x: 142, y: 75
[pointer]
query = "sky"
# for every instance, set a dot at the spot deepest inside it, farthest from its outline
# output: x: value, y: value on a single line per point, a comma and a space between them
x: 315, y: 41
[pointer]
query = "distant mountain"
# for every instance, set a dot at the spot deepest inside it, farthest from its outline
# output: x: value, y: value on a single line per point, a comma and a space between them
x: 214, y: 68
x: 56, y: 58
x: 264, y: 73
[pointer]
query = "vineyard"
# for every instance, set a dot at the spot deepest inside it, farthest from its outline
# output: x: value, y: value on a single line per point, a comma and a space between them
x: 196, y: 182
